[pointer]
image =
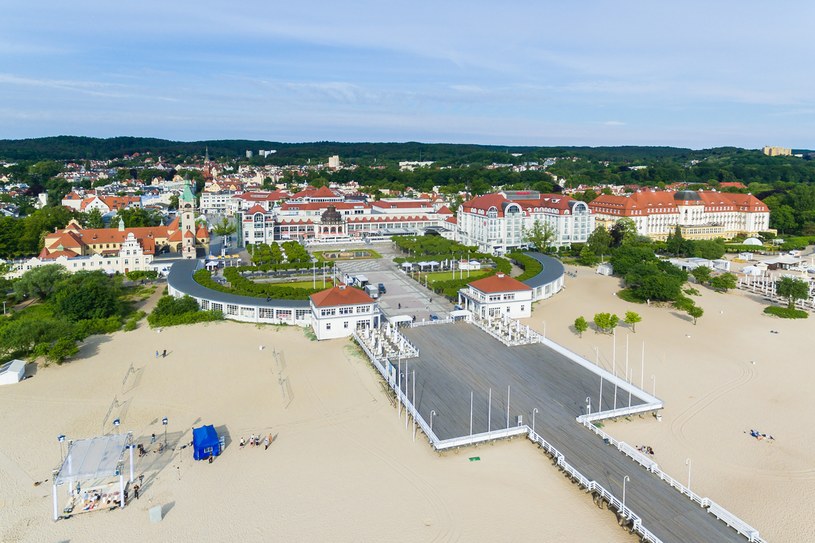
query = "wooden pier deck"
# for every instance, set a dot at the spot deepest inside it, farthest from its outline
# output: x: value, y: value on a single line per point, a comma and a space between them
x: 457, y: 359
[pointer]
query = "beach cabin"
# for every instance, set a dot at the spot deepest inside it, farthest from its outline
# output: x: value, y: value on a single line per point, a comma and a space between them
x: 12, y: 372
x: 205, y: 442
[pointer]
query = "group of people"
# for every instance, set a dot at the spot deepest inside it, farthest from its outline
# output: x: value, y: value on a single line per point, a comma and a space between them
x: 255, y: 441
x: 163, y: 354
x: 759, y: 436
x: 646, y: 449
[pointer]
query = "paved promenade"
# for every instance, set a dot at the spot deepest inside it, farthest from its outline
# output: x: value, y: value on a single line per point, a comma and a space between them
x: 457, y: 359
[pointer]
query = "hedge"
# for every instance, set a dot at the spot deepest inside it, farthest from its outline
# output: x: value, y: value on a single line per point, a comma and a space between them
x: 529, y: 265
x: 786, y: 312
x: 245, y: 287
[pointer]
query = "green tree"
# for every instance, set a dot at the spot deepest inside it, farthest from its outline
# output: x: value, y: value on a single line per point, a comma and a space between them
x: 40, y: 282
x: 62, y: 349
x: 173, y: 202
x: 599, y: 241
x: 86, y: 295
x: 709, y: 249
x: 587, y: 256
x: 724, y: 282
x: 792, y: 290
x: 224, y: 228
x: 606, y: 322
x: 676, y: 244
x: 623, y: 231
x: 701, y: 274
x: 540, y: 235
x: 580, y: 325
x: 20, y: 336
x: 631, y: 319
x: 695, y: 311
x: 783, y: 219
x: 136, y: 216
x: 93, y: 219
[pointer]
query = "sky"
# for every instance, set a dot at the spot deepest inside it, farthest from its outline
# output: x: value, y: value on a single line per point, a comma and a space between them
x: 583, y: 72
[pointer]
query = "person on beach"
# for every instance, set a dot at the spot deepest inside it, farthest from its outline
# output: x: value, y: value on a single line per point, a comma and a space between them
x: 164, y: 354
x: 266, y: 443
x: 242, y: 443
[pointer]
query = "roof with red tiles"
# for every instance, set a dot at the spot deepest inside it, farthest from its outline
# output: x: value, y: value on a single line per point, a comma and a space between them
x: 499, y: 283
x: 340, y: 295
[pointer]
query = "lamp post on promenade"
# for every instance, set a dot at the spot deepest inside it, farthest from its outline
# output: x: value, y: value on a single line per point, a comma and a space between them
x: 588, y: 405
x: 61, y: 439
x: 164, y: 422
x: 534, y: 411
x: 654, y: 381
x: 688, y: 463
x: 432, y: 414
x: 625, y: 480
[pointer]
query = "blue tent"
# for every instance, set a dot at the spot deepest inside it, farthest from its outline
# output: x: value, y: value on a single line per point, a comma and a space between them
x: 205, y: 442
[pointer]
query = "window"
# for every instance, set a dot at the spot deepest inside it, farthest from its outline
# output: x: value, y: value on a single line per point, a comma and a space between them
x: 328, y: 326
x: 345, y: 324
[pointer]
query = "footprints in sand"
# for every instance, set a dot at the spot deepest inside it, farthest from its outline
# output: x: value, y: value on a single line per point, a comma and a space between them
x: 681, y: 422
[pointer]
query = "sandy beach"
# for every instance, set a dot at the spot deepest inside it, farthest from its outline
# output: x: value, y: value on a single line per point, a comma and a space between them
x: 341, y: 467
x: 737, y: 370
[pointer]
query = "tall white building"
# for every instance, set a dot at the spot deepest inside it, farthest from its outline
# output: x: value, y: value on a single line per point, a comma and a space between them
x: 496, y: 222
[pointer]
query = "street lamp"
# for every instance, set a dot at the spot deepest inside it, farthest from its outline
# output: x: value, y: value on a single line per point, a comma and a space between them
x: 625, y: 480
x: 164, y: 421
x: 533, y: 421
x: 588, y: 405
x: 688, y: 463
x: 432, y: 414
x: 654, y: 381
x: 61, y: 439
x: 116, y: 423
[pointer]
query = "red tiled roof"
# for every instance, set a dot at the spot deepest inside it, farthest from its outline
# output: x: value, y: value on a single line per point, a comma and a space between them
x: 499, y: 283
x: 444, y: 210
x: 340, y: 295
x: 257, y: 208
x: 202, y: 233
x: 663, y: 202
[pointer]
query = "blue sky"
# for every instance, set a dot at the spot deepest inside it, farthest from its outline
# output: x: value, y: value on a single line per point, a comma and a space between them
x: 695, y: 74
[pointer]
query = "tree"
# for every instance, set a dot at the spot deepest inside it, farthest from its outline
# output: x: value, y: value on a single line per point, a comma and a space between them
x: 623, y: 231
x: 599, y: 241
x: 225, y: 228
x: 540, y: 235
x: 173, y: 204
x: 631, y: 319
x: 783, y: 218
x: 587, y: 256
x: 62, y: 349
x: 86, y: 295
x: 40, y: 282
x: 93, y: 219
x: 676, y: 244
x: 701, y: 274
x: 723, y: 282
x: 792, y: 290
x: 606, y: 322
x: 580, y: 325
x: 136, y: 216
x: 709, y: 249
x: 695, y: 311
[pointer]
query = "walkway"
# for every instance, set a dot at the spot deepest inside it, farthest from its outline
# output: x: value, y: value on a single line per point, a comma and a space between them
x: 458, y: 359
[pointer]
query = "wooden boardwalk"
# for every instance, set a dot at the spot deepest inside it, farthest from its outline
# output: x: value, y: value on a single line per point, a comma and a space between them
x: 458, y: 359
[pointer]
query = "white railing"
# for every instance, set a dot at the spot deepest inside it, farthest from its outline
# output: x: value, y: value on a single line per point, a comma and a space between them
x: 448, y: 320
x: 722, y: 514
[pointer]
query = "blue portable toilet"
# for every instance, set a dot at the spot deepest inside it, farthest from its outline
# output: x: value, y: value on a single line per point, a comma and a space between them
x: 205, y: 442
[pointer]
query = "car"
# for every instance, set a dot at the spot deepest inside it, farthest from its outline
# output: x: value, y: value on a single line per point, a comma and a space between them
x: 382, y: 289
x: 434, y: 317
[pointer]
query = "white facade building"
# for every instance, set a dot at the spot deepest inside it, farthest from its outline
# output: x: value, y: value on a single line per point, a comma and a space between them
x: 700, y: 215
x: 339, y: 311
x: 496, y: 222
x: 497, y: 295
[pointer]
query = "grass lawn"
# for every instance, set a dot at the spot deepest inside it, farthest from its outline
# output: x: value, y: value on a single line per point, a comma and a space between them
x: 447, y: 276
x: 304, y: 284
x: 348, y: 254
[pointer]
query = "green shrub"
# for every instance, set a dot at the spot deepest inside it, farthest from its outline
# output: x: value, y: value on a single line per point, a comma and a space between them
x: 529, y: 265
x: 137, y: 275
x: 785, y: 312
x: 171, y: 311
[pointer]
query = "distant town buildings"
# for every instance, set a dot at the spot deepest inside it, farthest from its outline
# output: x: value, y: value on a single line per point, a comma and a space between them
x: 700, y: 215
x: 776, y: 151
x: 334, y: 162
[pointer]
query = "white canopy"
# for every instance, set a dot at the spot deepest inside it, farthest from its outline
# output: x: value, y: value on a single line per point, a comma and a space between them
x: 94, y: 458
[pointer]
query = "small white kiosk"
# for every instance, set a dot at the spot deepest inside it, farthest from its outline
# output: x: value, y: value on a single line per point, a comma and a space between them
x: 12, y: 372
